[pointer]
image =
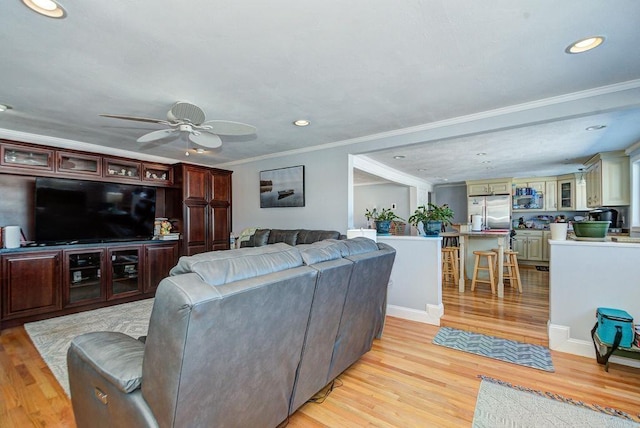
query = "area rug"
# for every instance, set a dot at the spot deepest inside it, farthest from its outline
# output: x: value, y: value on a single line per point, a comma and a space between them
x: 501, y: 404
x: 511, y: 351
x: 53, y: 336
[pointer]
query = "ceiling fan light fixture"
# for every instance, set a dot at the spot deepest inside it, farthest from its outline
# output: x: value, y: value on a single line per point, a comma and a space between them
x: 584, y: 45
x: 301, y: 122
x: 46, y: 7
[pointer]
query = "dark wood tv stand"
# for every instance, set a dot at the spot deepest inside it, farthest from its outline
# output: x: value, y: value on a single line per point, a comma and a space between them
x: 39, y: 282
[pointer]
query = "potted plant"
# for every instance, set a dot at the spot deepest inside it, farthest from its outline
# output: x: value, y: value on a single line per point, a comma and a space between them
x: 432, y: 217
x: 382, y: 219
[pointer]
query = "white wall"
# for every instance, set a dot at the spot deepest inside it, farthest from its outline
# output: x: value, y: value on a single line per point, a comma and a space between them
x: 582, y: 277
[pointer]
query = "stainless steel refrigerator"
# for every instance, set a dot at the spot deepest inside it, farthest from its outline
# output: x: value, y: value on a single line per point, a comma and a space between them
x: 495, y: 211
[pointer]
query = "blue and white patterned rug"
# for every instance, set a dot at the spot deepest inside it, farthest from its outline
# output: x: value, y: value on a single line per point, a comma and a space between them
x: 511, y: 351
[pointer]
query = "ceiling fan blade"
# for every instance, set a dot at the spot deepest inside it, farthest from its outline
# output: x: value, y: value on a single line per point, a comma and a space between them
x: 159, y: 135
x: 205, y: 139
x: 226, y: 127
x: 137, y: 119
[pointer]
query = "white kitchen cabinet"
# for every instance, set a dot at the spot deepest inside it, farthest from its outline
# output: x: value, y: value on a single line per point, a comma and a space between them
x: 489, y: 187
x: 545, y: 198
x: 546, y: 247
x: 608, y: 180
x: 572, y: 192
x: 551, y: 195
x: 528, y: 244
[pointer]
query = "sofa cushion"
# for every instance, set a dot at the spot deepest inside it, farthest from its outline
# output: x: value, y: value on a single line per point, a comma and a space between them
x: 354, y: 246
x: 222, y: 267
x: 310, y: 236
x: 261, y: 237
x: 320, y: 251
x: 281, y: 235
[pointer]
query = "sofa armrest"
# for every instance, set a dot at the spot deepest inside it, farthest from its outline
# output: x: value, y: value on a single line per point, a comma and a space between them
x: 114, y: 356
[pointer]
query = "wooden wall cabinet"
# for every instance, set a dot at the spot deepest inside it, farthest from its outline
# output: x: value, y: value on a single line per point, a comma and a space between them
x: 159, y: 259
x: 30, y: 283
x: 83, y: 281
x: 44, y: 283
x: 30, y: 159
x: 17, y: 158
x: 206, y: 206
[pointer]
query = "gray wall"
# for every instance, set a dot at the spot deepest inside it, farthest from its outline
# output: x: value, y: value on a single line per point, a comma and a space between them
x: 380, y: 196
x: 456, y: 196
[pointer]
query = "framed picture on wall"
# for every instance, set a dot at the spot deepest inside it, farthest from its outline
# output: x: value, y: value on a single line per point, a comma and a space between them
x: 283, y: 187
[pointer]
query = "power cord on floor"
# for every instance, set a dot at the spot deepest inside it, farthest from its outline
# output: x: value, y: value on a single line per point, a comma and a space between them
x: 322, y: 395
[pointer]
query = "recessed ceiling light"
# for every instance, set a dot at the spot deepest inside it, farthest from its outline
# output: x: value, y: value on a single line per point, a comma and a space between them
x: 399, y: 157
x: 486, y: 161
x: 46, y: 7
x: 595, y: 127
x: 584, y: 45
x: 481, y: 154
x: 200, y: 151
x: 301, y: 122
x: 422, y: 169
x: 4, y: 107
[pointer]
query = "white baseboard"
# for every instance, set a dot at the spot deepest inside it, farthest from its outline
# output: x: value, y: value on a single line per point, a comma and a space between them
x: 431, y: 315
x: 560, y: 340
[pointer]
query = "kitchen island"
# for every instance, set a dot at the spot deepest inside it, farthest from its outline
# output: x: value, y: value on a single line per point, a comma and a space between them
x: 476, y: 241
x: 584, y: 276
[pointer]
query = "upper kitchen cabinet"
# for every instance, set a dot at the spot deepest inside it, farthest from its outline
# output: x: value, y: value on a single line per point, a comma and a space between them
x: 607, y: 179
x: 538, y: 194
x: 489, y: 187
x: 572, y: 193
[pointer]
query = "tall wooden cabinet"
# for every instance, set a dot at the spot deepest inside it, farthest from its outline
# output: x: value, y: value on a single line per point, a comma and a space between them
x: 206, y: 208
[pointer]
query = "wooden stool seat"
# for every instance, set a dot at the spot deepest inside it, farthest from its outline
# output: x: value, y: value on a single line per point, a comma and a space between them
x: 450, y: 265
x: 489, y: 267
x: 511, y: 270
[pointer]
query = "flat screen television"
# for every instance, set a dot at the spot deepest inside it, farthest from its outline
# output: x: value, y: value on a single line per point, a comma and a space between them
x: 69, y: 211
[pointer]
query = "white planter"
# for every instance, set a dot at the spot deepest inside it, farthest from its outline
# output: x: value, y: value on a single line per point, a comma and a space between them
x: 558, y: 231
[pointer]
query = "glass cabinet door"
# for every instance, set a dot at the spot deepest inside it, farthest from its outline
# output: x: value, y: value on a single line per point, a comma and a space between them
x: 566, y: 193
x: 124, y: 169
x: 83, y: 276
x: 79, y: 164
x: 25, y: 157
x: 125, y: 276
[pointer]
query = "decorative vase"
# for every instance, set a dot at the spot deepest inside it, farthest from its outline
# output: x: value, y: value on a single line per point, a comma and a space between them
x: 431, y: 227
x: 382, y: 227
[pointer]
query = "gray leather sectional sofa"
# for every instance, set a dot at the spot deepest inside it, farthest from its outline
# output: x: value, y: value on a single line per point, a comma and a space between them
x: 238, y: 338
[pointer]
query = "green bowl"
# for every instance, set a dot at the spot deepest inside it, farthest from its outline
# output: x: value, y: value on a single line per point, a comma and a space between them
x: 591, y: 229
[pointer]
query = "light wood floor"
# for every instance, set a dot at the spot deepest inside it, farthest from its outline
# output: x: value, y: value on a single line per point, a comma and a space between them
x: 405, y: 381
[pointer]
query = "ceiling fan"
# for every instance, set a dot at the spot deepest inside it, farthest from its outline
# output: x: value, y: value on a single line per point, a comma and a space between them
x: 187, y: 120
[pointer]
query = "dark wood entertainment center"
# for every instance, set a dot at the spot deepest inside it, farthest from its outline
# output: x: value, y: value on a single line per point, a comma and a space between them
x: 38, y: 282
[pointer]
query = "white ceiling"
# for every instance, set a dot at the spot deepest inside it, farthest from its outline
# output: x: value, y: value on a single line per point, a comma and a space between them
x: 435, y: 81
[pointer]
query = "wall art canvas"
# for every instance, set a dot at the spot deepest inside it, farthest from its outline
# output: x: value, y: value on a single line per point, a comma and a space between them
x: 283, y: 187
